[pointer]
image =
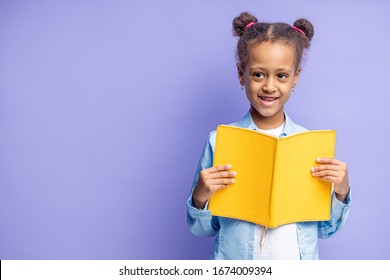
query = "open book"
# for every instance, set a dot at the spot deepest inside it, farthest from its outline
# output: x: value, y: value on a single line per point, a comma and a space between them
x: 274, y: 185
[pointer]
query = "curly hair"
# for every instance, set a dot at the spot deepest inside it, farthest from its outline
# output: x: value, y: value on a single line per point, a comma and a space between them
x: 253, y: 34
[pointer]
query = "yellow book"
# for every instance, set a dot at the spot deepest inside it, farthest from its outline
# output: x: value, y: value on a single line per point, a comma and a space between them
x: 274, y: 185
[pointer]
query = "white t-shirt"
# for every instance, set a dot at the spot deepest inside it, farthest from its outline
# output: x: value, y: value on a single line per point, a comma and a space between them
x: 279, y: 243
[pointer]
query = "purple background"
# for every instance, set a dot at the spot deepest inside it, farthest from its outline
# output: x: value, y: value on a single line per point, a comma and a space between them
x: 105, y: 107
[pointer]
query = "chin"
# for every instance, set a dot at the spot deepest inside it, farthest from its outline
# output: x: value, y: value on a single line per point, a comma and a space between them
x: 267, y: 113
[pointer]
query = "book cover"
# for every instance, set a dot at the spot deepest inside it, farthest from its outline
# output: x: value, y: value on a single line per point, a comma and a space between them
x: 274, y: 185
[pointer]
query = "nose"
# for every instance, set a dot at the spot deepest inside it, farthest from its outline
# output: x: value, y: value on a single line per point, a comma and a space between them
x: 269, y: 86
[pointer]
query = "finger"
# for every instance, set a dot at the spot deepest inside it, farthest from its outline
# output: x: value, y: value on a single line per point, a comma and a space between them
x: 328, y: 160
x: 331, y: 179
x: 219, y: 168
x: 219, y: 187
x: 222, y: 182
x: 222, y: 174
x: 325, y: 173
x: 325, y: 167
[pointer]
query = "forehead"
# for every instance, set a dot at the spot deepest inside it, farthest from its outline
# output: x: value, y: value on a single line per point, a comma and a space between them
x: 271, y: 55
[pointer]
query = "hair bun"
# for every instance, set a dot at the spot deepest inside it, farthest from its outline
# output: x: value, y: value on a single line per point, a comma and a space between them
x: 306, y: 27
x: 241, y: 21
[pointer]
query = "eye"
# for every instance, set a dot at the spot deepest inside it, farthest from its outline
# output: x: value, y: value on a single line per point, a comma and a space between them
x: 258, y: 75
x: 282, y: 76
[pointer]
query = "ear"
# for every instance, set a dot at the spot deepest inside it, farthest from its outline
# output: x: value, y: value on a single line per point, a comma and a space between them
x: 296, y: 76
x: 240, y: 72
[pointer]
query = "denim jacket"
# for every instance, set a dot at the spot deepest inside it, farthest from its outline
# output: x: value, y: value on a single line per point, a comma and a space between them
x: 234, y: 238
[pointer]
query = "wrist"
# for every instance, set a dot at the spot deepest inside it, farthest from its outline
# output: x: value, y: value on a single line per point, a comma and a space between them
x: 342, y: 196
x: 199, y: 200
x: 198, y: 203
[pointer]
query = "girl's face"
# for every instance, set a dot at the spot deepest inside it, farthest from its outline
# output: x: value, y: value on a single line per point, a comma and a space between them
x: 268, y: 77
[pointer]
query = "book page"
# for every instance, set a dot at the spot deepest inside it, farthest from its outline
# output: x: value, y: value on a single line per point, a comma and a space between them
x: 297, y: 195
x: 252, y: 156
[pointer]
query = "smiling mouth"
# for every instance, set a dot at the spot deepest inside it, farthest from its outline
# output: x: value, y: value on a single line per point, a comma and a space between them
x: 267, y: 98
x: 268, y: 101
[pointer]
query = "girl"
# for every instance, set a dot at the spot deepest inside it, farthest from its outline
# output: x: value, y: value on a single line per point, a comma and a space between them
x: 268, y: 64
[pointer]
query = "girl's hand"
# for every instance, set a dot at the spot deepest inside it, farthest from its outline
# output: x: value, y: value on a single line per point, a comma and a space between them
x: 334, y: 171
x: 211, y: 180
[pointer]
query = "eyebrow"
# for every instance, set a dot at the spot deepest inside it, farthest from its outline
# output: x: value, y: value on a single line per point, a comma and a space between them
x: 279, y: 69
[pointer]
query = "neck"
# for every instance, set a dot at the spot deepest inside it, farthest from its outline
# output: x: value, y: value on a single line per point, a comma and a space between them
x: 266, y: 123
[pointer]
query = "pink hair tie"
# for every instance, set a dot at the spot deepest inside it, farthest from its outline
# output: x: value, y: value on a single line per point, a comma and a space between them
x: 299, y: 30
x: 249, y: 24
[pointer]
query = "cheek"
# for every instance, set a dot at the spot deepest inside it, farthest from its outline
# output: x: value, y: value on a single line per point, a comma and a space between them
x: 251, y: 94
x: 253, y: 85
x: 287, y: 88
x: 252, y: 90
x: 246, y: 78
x: 286, y: 96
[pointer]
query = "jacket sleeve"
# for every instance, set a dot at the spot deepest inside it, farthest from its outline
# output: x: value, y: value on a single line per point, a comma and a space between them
x: 339, y: 214
x: 200, y: 221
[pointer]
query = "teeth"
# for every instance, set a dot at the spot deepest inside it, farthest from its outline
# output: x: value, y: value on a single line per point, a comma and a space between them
x: 268, y: 98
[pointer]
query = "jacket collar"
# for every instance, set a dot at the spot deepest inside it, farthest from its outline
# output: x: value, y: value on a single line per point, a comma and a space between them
x: 247, y: 122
